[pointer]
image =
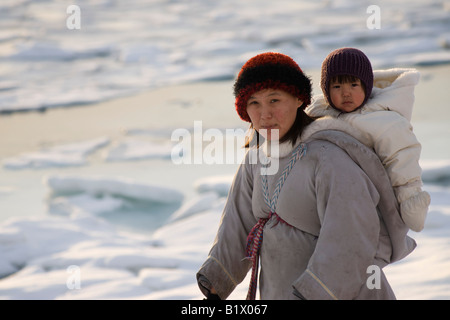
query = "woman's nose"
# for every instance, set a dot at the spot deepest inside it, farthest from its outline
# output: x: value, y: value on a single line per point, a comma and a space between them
x: 266, y: 112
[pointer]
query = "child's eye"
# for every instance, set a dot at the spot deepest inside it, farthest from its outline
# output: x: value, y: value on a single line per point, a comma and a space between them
x: 336, y: 86
x: 274, y: 100
x: 355, y: 84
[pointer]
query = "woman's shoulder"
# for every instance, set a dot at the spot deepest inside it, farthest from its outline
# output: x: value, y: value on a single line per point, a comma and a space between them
x: 331, y: 124
x: 333, y: 141
x: 325, y: 152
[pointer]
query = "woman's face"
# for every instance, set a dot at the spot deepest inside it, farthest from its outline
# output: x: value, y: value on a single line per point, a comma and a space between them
x: 272, y: 111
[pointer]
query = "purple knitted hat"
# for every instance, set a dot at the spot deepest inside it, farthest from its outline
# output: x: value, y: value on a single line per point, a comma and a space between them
x: 346, y: 61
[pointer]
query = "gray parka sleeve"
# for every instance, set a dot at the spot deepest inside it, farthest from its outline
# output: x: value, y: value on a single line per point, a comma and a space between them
x: 226, y: 265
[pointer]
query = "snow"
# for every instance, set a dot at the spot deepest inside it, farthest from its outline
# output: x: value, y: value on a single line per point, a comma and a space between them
x: 64, y: 155
x: 435, y: 170
x: 166, y: 42
x: 201, y: 203
x: 136, y: 149
x: 77, y: 154
x: 74, y: 250
x: 218, y: 184
x: 111, y: 264
x: 122, y: 187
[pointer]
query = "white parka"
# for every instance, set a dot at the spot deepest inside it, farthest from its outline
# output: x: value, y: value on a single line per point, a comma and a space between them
x: 383, y: 124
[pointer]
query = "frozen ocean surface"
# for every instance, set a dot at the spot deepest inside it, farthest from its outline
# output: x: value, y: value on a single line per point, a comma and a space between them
x: 113, y: 217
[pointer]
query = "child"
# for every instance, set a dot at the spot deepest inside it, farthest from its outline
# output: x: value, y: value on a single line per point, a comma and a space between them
x: 379, y: 104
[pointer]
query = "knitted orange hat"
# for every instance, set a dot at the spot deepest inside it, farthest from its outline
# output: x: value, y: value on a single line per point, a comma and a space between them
x: 270, y: 70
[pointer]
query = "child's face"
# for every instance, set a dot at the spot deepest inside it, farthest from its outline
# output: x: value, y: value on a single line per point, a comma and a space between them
x: 348, y: 96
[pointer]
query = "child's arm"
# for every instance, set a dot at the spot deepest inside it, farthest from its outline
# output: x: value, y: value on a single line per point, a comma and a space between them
x: 396, y: 144
x: 399, y: 150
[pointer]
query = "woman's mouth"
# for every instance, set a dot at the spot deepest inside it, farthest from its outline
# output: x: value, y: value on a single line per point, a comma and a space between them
x: 269, y: 127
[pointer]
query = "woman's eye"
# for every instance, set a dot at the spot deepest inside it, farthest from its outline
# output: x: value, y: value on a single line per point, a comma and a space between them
x: 274, y: 100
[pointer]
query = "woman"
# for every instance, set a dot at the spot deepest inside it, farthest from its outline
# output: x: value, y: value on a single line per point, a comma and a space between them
x: 318, y: 223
